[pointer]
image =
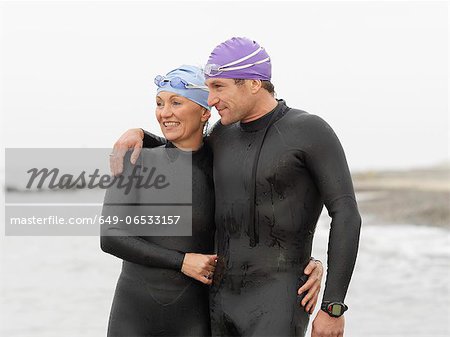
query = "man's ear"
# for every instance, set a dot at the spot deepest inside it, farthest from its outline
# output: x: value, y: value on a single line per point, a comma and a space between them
x: 255, y: 86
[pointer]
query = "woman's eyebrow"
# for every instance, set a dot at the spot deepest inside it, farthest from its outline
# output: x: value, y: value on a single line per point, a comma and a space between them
x: 170, y: 97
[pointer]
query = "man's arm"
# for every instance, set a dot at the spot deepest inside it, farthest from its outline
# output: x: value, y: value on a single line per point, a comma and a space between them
x: 325, y: 160
x: 138, y: 138
x: 133, y: 139
x: 150, y: 140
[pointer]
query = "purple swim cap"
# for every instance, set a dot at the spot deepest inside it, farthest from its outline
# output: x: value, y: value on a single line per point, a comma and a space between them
x: 239, y: 58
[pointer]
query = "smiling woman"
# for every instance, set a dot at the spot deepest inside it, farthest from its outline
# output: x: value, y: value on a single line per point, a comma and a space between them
x: 162, y: 289
x: 181, y: 106
x: 175, y: 115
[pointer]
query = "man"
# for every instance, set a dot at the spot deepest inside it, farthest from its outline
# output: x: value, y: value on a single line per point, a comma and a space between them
x: 274, y: 169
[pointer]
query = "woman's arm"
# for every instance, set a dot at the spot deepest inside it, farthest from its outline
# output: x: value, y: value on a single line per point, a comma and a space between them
x: 119, y: 240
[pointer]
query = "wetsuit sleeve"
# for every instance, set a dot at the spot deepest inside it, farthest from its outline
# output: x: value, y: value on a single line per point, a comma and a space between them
x: 117, y: 240
x: 326, y: 162
x: 150, y: 140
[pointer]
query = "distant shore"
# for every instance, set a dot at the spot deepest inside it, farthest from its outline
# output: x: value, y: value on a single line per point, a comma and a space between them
x: 419, y: 196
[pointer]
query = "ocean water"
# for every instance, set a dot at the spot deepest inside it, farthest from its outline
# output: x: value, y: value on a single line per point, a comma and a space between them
x: 400, y: 286
x: 63, y: 286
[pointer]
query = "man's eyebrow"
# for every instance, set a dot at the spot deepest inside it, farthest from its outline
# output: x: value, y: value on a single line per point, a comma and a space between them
x: 214, y: 82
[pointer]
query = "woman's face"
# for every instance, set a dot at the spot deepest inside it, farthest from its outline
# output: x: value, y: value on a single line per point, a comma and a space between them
x: 181, y: 120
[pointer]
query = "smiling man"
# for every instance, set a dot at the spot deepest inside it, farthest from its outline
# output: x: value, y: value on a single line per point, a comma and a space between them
x: 274, y: 169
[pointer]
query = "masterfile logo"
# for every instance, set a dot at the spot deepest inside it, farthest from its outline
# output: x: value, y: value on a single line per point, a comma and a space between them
x: 71, y: 192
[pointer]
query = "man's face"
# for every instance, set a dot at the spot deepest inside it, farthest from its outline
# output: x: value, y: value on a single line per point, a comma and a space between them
x: 232, y: 101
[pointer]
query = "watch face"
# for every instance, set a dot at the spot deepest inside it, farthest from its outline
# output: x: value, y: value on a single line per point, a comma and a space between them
x: 336, y: 310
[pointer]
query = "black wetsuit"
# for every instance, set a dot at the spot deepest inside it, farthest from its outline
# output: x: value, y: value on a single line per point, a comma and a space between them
x: 301, y: 167
x: 153, y: 297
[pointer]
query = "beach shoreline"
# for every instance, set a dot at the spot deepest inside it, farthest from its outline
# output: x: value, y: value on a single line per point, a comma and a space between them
x: 420, y: 196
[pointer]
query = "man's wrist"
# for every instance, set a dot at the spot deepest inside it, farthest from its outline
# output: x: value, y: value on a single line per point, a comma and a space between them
x: 334, y: 308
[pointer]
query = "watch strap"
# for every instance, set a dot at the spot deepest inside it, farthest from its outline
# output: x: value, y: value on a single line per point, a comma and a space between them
x: 325, y: 306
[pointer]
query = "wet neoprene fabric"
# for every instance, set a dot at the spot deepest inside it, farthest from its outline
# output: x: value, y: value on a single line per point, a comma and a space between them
x: 153, y: 297
x: 301, y: 167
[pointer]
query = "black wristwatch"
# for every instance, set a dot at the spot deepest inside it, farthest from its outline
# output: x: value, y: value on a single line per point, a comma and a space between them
x: 334, y: 309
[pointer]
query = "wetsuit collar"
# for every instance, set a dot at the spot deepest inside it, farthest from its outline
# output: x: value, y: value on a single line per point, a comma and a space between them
x: 170, y: 145
x: 173, y: 155
x: 262, y: 122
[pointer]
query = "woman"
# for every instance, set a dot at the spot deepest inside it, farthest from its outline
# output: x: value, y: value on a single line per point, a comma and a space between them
x: 163, y: 286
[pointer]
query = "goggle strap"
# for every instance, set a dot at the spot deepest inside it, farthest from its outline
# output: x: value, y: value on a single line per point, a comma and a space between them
x: 243, y: 58
x: 244, y: 65
x: 193, y: 86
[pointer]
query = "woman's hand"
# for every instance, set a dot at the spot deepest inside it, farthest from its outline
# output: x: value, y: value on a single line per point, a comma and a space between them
x: 314, y: 270
x: 200, y: 267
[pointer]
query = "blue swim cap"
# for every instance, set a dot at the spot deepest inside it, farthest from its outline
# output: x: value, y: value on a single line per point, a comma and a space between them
x: 187, y: 81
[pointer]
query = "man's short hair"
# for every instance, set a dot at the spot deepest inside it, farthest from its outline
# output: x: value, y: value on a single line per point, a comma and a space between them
x: 265, y: 85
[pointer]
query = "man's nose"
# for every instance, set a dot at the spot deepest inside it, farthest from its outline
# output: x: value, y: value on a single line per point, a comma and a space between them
x: 212, y: 99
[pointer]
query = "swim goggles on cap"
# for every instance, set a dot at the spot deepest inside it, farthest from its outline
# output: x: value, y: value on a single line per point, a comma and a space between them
x: 214, y: 69
x: 177, y: 82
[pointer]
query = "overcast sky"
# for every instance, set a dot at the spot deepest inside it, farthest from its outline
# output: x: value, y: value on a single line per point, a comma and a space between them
x: 80, y: 74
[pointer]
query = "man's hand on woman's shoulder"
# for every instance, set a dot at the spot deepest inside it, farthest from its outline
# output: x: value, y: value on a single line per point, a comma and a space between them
x: 131, y: 139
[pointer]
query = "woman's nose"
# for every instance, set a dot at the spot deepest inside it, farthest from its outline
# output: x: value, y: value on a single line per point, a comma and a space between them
x: 166, y: 111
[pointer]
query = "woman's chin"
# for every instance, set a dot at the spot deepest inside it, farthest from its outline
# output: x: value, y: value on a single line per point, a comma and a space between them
x: 170, y: 136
